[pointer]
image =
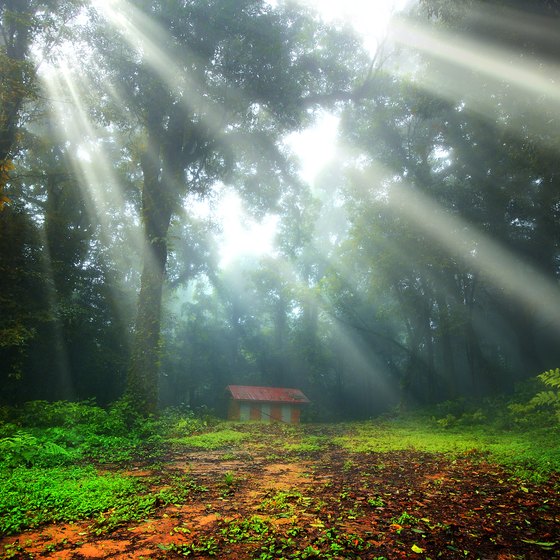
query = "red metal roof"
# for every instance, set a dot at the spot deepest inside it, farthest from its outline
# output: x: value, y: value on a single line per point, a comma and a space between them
x: 266, y: 394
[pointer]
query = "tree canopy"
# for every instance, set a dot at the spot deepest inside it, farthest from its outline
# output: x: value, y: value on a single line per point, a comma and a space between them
x: 422, y: 264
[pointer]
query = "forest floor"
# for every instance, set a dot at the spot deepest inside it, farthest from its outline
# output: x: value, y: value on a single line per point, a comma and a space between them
x: 309, y: 493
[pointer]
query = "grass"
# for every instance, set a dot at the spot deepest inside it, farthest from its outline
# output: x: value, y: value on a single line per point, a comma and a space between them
x: 32, y: 497
x: 528, y: 452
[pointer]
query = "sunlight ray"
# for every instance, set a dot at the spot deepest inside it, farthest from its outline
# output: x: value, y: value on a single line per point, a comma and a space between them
x: 528, y: 76
x: 62, y: 378
x: 372, y: 369
x: 367, y: 368
x: 91, y: 163
x: 514, y: 276
x: 93, y: 167
x: 465, y: 60
x: 539, y: 29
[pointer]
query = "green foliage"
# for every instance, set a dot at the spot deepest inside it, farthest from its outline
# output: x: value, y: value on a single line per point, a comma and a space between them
x: 206, y: 546
x: 180, y: 422
x: 282, y: 503
x: 543, y: 402
x: 25, y: 449
x: 43, y: 414
x: 250, y: 529
x: 528, y: 451
x: 551, y: 378
x: 550, y: 398
x: 376, y: 502
x: 48, y: 434
x: 30, y: 497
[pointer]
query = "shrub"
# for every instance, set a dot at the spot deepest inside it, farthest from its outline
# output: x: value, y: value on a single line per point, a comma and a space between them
x: 60, y: 413
x: 24, y: 449
x: 547, y: 400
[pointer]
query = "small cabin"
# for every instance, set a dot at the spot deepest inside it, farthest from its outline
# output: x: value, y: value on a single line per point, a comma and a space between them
x: 265, y: 404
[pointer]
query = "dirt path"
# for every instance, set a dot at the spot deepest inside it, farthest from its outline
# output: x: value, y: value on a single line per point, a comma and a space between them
x: 328, y: 504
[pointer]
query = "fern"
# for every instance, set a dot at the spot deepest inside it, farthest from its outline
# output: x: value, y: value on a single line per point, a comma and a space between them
x: 26, y: 450
x: 551, y: 378
x: 549, y: 398
x: 545, y: 398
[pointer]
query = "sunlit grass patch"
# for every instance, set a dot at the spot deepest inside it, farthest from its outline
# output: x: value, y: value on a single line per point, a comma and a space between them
x: 533, y: 452
x: 212, y: 440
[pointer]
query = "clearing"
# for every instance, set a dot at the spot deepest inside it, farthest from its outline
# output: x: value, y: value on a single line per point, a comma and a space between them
x: 314, y: 491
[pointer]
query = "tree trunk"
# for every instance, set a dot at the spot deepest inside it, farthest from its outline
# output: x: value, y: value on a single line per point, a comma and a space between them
x: 15, y: 81
x: 143, y: 373
x: 448, y: 362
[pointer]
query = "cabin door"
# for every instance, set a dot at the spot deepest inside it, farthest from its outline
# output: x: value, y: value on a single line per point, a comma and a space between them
x: 244, y: 412
x: 266, y: 413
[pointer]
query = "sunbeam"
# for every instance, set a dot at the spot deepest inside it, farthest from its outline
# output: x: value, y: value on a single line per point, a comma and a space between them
x: 93, y: 167
x: 533, y: 77
x: 62, y: 381
x: 146, y: 38
x: 514, y: 276
x: 461, y: 61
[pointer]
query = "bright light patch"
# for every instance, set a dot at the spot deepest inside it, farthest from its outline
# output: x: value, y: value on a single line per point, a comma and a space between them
x: 370, y: 18
x: 242, y: 236
x: 315, y: 146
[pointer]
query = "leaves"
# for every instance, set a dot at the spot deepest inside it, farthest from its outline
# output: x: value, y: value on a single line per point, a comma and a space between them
x: 551, y: 378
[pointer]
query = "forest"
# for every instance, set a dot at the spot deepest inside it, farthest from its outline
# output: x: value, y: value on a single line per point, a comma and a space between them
x: 419, y: 265
x: 203, y: 194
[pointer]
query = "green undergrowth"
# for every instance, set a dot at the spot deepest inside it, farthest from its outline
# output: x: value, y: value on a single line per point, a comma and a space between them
x: 44, y: 434
x: 30, y: 497
x: 306, y: 444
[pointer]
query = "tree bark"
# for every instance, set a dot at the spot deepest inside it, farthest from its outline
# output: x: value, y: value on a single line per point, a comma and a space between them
x: 143, y: 373
x: 15, y: 79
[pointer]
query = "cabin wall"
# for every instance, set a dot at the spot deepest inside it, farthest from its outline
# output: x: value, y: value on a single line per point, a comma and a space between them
x: 264, y: 412
x: 233, y: 410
